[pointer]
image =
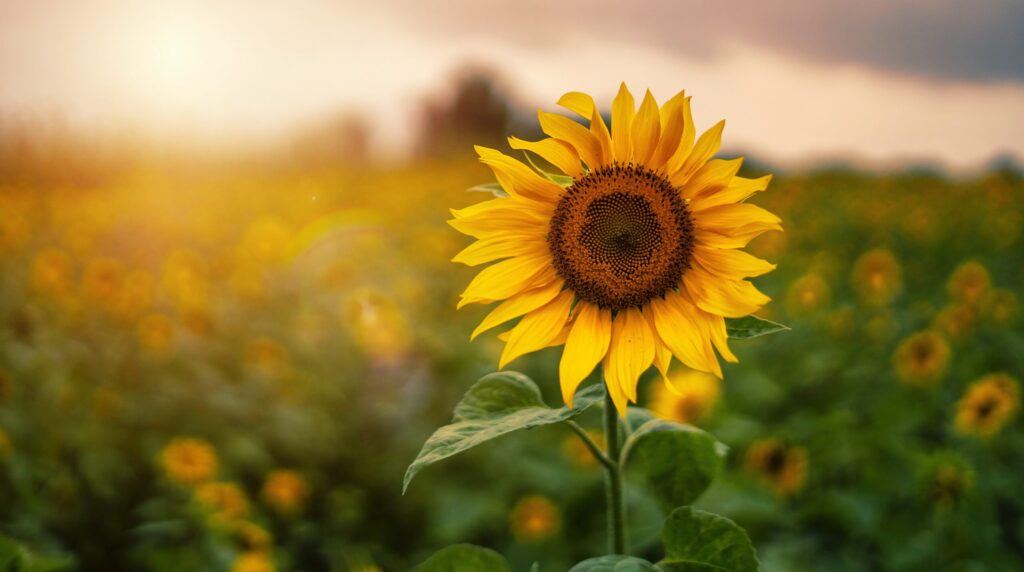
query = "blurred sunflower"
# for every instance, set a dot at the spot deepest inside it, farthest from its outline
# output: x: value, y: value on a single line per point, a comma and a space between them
x: 922, y: 358
x: 285, y: 491
x: 189, y: 461
x: 52, y: 272
x: 955, y: 320
x: 226, y: 501
x: 102, y: 280
x: 252, y: 536
x: 1002, y: 306
x: 808, y: 293
x: 988, y: 405
x: 948, y: 479
x: 780, y: 466
x: 254, y: 561
x: 155, y: 332
x: 629, y: 259
x: 579, y: 454
x: 535, y: 518
x: 877, y: 277
x: 688, y: 397
x: 969, y: 283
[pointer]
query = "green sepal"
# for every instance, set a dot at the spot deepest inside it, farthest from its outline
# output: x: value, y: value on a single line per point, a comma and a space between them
x: 751, y: 327
x: 497, y: 404
x: 492, y: 188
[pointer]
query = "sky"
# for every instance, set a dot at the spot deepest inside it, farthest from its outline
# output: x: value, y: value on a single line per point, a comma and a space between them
x: 797, y: 80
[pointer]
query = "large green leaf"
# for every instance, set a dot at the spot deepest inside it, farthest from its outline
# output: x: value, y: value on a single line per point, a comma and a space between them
x: 497, y: 404
x: 464, y: 558
x: 698, y: 541
x: 678, y: 461
x: 751, y: 327
x: 615, y: 563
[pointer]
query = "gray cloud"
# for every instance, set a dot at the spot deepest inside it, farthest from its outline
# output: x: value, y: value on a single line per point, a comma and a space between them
x: 980, y: 40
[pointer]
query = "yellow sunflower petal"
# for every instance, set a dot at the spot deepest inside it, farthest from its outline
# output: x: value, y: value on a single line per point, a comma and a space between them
x: 739, y: 189
x: 498, y: 246
x: 678, y: 328
x: 729, y: 298
x: 537, y: 328
x: 662, y: 355
x: 573, y: 133
x: 518, y: 305
x: 583, y: 105
x: 719, y: 335
x: 586, y: 345
x: 727, y: 218
x: 705, y: 149
x: 631, y: 350
x: 731, y: 264
x: 517, y: 179
x: 671, y: 131
x: 500, y: 221
x: 558, y: 153
x: 507, y: 278
x: 623, y: 110
x: 646, y: 130
x: 714, y: 176
x: 618, y: 396
x: 685, y: 142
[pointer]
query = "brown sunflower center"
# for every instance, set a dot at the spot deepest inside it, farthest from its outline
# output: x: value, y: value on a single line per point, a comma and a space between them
x: 621, y: 236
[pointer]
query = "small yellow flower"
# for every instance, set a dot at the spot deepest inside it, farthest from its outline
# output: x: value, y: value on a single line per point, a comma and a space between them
x: 1002, y: 306
x: 535, y: 518
x: 808, y: 294
x: 688, y: 397
x: 877, y: 277
x: 955, y: 320
x: 155, y: 332
x: 189, y: 461
x: 185, y: 279
x: 52, y: 272
x: 255, y: 561
x: 578, y: 453
x: 969, y: 283
x: 988, y: 405
x: 253, y: 536
x: 226, y: 501
x: 285, y: 491
x: 949, y: 482
x: 101, y: 281
x: 782, y: 467
x: 922, y: 358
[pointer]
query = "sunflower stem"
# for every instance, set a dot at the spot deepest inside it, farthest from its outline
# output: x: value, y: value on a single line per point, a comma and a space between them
x: 613, y: 479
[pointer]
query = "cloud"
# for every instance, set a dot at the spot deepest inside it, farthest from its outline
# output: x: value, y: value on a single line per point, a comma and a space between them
x: 954, y: 39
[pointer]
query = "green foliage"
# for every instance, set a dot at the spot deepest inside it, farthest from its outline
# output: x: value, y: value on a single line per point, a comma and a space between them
x: 678, y: 461
x: 751, y: 327
x: 698, y: 541
x: 497, y: 404
x: 16, y: 557
x: 615, y: 563
x: 464, y: 558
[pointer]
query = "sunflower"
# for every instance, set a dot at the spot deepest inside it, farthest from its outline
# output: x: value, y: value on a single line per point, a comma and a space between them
x: 780, y: 466
x: 535, y: 518
x: 922, y: 358
x: 969, y: 283
x: 226, y: 501
x: 253, y: 561
x: 189, y: 461
x: 877, y: 277
x: 631, y: 257
x: 988, y: 405
x: 688, y: 397
x: 285, y: 491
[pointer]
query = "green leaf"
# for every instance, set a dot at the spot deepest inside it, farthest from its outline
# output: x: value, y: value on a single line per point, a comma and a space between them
x: 464, y: 558
x: 493, y: 188
x: 615, y: 563
x: 15, y: 556
x: 497, y: 404
x: 535, y: 567
x: 560, y: 180
x: 678, y: 461
x: 698, y: 541
x: 751, y: 327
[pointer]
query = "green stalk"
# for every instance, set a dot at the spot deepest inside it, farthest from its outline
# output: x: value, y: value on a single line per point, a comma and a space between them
x: 613, y: 479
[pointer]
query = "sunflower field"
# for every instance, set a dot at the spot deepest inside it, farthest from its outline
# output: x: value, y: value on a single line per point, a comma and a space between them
x: 230, y: 366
